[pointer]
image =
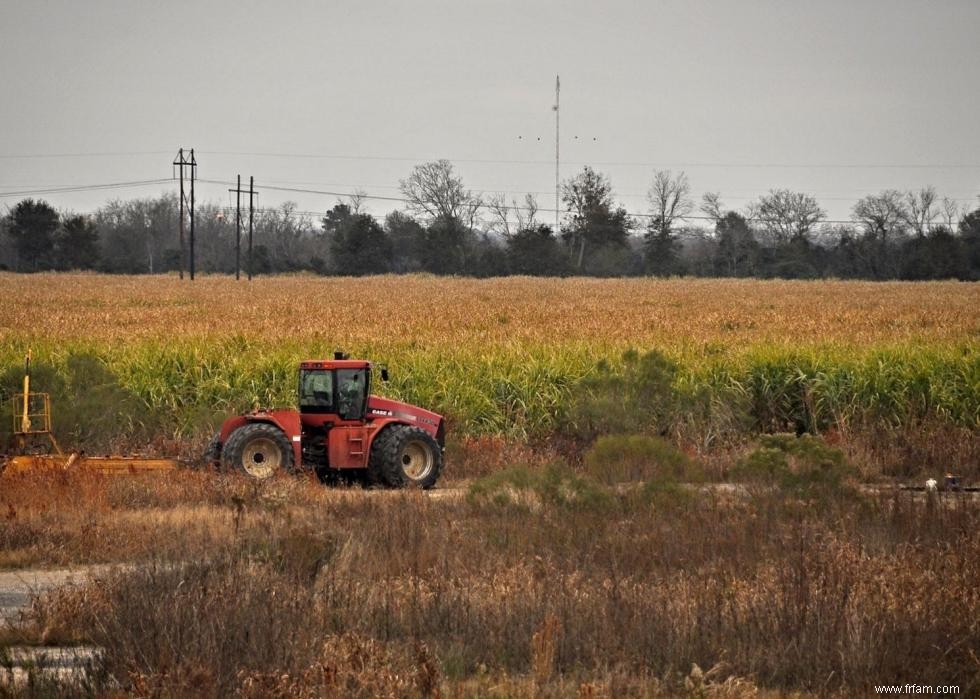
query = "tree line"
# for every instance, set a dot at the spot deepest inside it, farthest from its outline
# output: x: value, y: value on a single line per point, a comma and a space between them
x: 445, y: 228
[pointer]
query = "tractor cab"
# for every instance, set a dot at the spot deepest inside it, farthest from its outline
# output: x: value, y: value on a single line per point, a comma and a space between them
x: 338, y: 387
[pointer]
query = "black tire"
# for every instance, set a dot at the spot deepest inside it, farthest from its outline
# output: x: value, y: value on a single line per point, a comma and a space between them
x: 257, y: 449
x: 212, y: 453
x: 403, y: 456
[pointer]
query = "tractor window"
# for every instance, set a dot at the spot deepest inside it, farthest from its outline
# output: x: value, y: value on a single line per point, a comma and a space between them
x: 352, y: 393
x: 316, y: 391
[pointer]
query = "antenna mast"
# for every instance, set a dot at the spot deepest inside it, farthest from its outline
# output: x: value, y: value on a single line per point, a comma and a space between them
x: 557, y: 88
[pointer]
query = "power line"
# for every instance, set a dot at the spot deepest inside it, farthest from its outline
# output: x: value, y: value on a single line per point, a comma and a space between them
x: 630, y: 193
x: 337, y: 156
x: 323, y: 192
x: 619, y: 163
x: 345, y: 156
x: 68, y: 188
x: 36, y: 156
x: 83, y: 188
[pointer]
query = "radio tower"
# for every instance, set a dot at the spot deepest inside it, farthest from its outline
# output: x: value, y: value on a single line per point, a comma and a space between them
x: 557, y: 89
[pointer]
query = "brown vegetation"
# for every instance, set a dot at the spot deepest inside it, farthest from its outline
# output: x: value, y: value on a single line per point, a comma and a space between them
x: 445, y: 313
x: 287, y: 589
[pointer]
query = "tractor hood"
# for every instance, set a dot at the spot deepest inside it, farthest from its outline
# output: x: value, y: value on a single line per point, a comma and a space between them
x: 379, y: 407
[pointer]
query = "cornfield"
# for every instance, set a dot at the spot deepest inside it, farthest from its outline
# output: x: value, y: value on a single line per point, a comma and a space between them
x: 502, y: 356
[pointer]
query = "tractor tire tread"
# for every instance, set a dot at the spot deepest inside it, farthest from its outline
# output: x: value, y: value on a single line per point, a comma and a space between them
x: 231, y: 453
x: 384, y: 466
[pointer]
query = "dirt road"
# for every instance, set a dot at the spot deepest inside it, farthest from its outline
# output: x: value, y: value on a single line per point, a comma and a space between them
x: 16, y: 589
x: 17, y: 586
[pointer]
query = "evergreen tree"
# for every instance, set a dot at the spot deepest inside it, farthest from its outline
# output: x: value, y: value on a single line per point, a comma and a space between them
x: 32, y: 226
x: 737, y: 253
x: 536, y: 252
x: 358, y: 244
x: 970, y: 236
x: 77, y: 244
x: 596, y: 222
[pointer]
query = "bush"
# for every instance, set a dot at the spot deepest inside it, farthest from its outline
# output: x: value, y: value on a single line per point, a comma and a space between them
x: 626, y: 458
x: 803, y: 467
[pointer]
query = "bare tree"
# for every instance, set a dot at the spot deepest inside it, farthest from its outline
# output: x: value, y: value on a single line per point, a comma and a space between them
x: 283, y: 230
x: 433, y: 190
x: 356, y: 201
x: 524, y: 214
x: 785, y: 215
x: 951, y: 211
x: 471, y: 210
x: 528, y: 213
x: 500, y: 213
x: 882, y: 215
x: 670, y: 200
x: 920, y: 209
x: 711, y: 206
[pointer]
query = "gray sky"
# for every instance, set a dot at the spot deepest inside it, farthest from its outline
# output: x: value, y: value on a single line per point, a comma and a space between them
x: 835, y: 98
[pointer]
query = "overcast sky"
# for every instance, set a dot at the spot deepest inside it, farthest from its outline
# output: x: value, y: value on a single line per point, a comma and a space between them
x: 835, y: 98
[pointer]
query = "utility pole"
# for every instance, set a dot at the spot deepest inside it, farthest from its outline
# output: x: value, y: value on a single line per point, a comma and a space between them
x: 251, y: 215
x: 179, y: 161
x: 557, y: 89
x: 238, y: 227
x: 193, y: 165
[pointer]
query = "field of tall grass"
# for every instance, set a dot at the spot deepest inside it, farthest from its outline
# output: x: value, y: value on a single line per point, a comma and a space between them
x: 536, y: 582
x: 893, y: 368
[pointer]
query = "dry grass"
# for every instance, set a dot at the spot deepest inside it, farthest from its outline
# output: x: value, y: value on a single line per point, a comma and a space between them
x: 439, y: 313
x: 292, y: 590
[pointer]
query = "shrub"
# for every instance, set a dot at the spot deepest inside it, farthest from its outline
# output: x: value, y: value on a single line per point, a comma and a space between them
x: 624, y: 458
x: 804, y: 467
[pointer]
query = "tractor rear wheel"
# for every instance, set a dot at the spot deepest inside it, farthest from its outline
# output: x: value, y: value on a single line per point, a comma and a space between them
x: 403, y: 456
x: 259, y: 449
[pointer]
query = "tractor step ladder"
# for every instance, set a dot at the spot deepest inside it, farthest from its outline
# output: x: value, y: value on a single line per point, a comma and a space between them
x: 355, y: 446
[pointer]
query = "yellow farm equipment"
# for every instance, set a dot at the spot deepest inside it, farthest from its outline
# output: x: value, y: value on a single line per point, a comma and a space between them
x: 35, y: 448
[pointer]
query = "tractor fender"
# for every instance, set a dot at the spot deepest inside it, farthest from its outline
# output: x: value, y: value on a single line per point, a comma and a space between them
x: 384, y: 410
x: 286, y: 420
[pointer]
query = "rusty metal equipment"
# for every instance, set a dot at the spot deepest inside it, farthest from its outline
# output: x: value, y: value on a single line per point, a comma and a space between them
x: 35, y: 448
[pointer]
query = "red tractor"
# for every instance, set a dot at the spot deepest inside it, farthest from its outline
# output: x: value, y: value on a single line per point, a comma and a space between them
x: 340, y: 431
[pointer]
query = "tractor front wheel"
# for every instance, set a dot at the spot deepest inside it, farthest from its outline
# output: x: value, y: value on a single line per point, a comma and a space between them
x: 259, y: 449
x: 405, y: 456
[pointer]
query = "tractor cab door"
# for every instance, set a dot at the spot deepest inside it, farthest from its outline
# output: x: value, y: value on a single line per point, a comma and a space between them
x: 352, y: 393
x: 335, y: 401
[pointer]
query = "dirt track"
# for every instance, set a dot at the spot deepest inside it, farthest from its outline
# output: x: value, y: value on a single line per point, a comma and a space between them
x: 16, y: 589
x: 17, y: 586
